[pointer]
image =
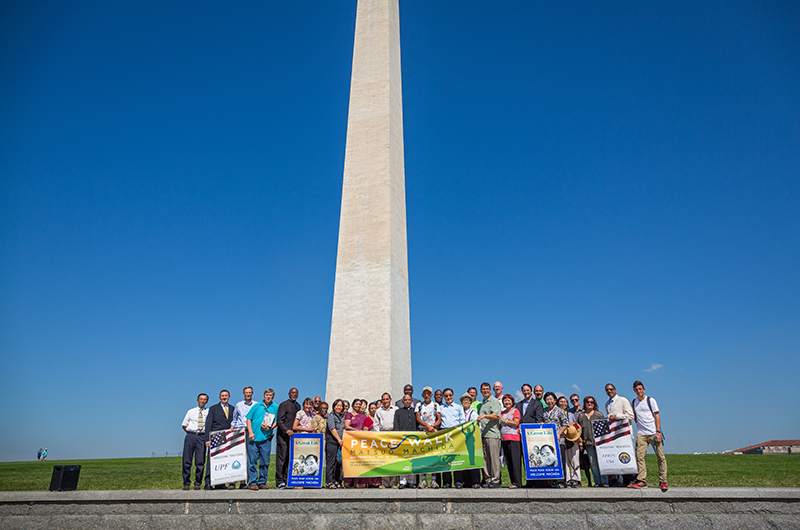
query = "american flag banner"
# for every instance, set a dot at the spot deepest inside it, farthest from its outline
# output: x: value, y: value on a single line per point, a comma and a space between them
x: 606, y: 431
x: 227, y: 456
x: 222, y: 441
x: 614, y: 444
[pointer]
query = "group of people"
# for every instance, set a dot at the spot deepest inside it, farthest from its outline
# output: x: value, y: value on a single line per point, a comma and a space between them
x: 499, y: 414
x: 41, y: 454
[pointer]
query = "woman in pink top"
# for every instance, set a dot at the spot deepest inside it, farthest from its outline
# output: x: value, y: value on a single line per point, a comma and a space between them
x: 512, y: 446
x: 302, y: 421
x: 357, y: 421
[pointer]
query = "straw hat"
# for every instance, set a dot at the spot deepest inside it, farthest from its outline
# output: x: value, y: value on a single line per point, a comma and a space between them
x: 573, y: 432
x: 466, y: 395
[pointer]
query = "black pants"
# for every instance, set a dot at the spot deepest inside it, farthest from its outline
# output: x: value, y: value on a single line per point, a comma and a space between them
x: 333, y: 469
x: 282, y: 458
x: 467, y: 477
x: 194, y: 445
x: 512, y: 449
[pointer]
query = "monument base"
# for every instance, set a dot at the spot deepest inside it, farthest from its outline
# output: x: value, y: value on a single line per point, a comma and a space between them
x: 750, y: 508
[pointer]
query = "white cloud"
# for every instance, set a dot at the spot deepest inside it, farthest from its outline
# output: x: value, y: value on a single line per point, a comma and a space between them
x: 518, y: 395
x: 653, y: 367
x: 577, y: 388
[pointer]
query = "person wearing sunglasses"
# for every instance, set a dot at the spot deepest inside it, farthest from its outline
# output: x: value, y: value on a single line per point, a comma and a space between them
x: 587, y: 446
x: 575, y: 404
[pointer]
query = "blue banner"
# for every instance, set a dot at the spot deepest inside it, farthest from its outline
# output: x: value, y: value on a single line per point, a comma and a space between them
x: 305, y: 460
x: 540, y: 451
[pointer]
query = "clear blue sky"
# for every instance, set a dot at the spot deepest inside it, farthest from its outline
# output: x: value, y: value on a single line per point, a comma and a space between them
x: 595, y: 193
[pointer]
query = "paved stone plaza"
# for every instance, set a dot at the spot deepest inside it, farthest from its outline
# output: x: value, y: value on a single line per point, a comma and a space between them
x: 691, y: 508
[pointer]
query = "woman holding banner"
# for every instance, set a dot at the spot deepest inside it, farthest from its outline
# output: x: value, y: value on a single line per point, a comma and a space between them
x: 357, y: 421
x: 333, y: 445
x: 511, y: 443
x: 587, y: 438
x: 555, y: 414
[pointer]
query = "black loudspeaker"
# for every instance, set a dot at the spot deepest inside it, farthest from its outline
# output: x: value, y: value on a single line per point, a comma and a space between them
x: 65, y: 478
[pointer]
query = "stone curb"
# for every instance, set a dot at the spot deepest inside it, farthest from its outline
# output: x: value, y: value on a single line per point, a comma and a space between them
x: 549, y: 495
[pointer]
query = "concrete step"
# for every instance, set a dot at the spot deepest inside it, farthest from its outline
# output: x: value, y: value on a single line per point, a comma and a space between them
x: 751, y: 508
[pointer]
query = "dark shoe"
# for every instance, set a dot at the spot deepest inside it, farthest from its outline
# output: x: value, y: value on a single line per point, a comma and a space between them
x: 242, y: 485
x: 185, y: 487
x: 197, y: 486
x: 485, y: 485
x: 663, y: 486
x: 254, y: 487
x: 231, y: 487
x: 282, y: 486
x: 263, y: 487
x: 209, y: 488
x: 638, y: 484
x: 459, y: 485
x: 446, y: 486
x: 559, y: 485
x: 605, y: 485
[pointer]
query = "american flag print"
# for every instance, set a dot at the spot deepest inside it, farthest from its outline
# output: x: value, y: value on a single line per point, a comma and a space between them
x: 222, y: 441
x: 606, y: 431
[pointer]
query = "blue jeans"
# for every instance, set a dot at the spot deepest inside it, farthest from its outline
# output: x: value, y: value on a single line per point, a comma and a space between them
x: 258, y: 462
x: 591, y: 452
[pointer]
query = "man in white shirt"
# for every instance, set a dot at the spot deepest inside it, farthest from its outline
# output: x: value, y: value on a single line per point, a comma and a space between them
x: 428, y: 419
x: 384, y: 421
x: 648, y: 427
x: 617, y: 408
x: 194, y: 442
x: 240, y: 418
x: 498, y: 390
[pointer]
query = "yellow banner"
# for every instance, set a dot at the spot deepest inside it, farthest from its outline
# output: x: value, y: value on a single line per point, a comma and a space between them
x: 383, y: 454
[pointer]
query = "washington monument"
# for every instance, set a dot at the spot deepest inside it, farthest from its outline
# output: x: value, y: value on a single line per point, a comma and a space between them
x: 370, y: 350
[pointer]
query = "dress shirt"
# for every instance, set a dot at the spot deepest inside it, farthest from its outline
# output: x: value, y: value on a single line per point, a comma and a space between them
x: 384, y: 418
x: 525, y: 406
x: 619, y: 407
x: 240, y: 414
x: 451, y: 414
x: 491, y: 428
x: 190, y: 420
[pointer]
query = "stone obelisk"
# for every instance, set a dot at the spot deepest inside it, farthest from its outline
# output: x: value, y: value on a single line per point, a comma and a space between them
x: 370, y: 350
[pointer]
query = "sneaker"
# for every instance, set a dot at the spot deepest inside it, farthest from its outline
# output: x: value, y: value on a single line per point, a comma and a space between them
x: 446, y: 486
x: 459, y: 485
x: 423, y: 484
x: 639, y: 484
x: 282, y: 486
x: 434, y: 484
x: 382, y: 487
x: 604, y: 485
x: 663, y: 486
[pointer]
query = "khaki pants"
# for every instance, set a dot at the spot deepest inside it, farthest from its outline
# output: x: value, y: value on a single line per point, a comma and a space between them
x: 642, y: 441
x: 491, y: 460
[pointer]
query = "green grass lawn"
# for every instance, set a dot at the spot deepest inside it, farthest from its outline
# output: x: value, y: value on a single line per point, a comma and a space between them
x: 165, y: 473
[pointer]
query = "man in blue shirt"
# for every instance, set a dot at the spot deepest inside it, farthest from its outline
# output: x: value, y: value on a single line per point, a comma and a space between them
x: 451, y: 414
x: 240, y: 416
x: 261, y: 422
